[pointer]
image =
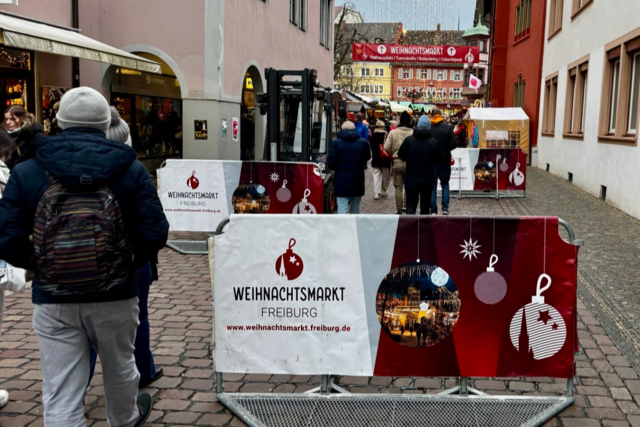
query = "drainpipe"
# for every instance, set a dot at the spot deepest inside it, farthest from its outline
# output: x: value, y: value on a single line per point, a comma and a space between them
x: 75, y: 62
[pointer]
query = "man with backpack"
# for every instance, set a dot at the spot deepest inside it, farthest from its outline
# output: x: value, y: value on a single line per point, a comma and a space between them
x: 95, y: 216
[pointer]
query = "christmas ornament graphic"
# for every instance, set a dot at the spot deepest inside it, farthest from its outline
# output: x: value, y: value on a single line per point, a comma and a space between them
x: 304, y: 207
x: 289, y: 265
x: 504, y: 166
x: 283, y: 194
x: 439, y: 277
x: 516, y: 177
x: 470, y: 248
x: 490, y: 287
x: 250, y: 198
x: 192, y: 181
x: 274, y: 177
x: 537, y: 329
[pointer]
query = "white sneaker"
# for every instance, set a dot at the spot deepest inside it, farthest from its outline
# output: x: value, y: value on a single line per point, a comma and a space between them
x: 383, y: 194
x: 376, y: 197
x: 4, y: 398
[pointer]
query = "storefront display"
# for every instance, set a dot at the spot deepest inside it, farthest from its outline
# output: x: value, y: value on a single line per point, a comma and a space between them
x: 151, y: 106
x: 16, y: 78
x: 50, y: 96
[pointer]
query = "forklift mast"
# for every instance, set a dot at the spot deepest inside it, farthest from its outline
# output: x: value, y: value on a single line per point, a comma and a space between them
x: 298, y: 116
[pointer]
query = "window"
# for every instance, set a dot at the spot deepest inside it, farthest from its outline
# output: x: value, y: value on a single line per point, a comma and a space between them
x: 348, y: 71
x: 456, y: 76
x: 293, y: 16
x: 379, y: 72
x: 326, y: 23
x: 399, y: 92
x: 424, y: 74
x: 455, y: 93
x: 549, y: 108
x: 302, y: 17
x: 576, y: 98
x: 579, y: 6
x: 405, y: 74
x: 620, y: 108
x: 440, y: 74
x: 519, y: 88
x: 523, y: 19
x: 555, y: 16
x: 372, y: 89
x: 365, y: 72
x: 441, y: 93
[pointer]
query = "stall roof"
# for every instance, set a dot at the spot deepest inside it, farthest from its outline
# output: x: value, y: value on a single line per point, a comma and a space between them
x: 496, y: 114
x: 24, y: 33
x: 398, y: 108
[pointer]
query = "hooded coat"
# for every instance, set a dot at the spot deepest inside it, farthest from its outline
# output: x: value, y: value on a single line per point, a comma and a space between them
x: 443, y: 133
x: 79, y: 152
x: 26, y: 139
x: 378, y: 138
x: 421, y: 152
x: 348, y: 156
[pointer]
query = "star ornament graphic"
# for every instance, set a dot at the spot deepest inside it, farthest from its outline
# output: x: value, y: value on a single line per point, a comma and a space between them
x: 544, y: 316
x: 470, y: 249
x: 275, y: 177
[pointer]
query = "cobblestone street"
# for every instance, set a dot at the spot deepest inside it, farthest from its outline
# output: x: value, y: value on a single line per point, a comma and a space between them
x: 180, y: 307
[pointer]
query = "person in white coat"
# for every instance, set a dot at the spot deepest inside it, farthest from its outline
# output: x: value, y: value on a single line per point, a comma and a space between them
x: 7, y: 146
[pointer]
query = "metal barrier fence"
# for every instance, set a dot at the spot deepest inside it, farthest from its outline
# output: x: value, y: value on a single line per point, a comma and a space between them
x: 330, y: 404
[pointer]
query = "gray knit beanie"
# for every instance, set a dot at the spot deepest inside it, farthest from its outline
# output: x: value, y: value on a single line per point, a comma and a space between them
x: 84, y: 107
x: 118, y: 129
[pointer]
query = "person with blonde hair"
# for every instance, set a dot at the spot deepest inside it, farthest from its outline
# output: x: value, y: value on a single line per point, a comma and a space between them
x: 25, y: 131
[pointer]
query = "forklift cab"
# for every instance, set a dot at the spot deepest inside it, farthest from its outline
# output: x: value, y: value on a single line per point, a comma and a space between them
x: 300, y: 115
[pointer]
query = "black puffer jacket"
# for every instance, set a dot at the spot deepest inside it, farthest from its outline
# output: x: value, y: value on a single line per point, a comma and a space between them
x: 26, y: 139
x: 348, y: 156
x: 443, y: 133
x: 421, y: 152
x: 75, y: 153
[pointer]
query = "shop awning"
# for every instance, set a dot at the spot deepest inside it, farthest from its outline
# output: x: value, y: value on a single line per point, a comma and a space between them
x: 24, y: 33
x: 397, y: 108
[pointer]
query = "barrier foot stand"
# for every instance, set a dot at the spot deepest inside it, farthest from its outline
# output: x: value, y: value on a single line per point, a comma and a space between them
x: 463, y: 389
x: 327, y: 386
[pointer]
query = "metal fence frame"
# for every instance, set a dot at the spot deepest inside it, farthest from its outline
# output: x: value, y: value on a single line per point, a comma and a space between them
x: 329, y: 390
x: 497, y: 194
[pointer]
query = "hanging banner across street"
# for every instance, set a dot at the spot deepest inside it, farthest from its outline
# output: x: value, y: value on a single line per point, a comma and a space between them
x: 402, y: 53
x: 198, y: 194
x: 395, y: 296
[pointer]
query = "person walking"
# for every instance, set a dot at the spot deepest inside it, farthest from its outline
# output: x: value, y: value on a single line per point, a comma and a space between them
x: 363, y: 129
x: 381, y: 167
x: 420, y: 151
x: 102, y: 218
x: 443, y: 133
x: 348, y: 156
x: 22, y: 126
x: 6, y: 149
x: 119, y: 132
x: 394, y: 141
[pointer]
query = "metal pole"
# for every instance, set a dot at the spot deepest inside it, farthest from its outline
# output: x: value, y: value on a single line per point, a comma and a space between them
x: 569, y: 391
x: 324, y: 388
x: 459, y: 178
x: 219, y: 384
x: 498, y: 157
x: 75, y: 62
x: 464, y: 389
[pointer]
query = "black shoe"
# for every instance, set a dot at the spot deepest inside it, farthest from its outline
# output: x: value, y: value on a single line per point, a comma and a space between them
x: 144, y: 403
x: 445, y: 212
x: 399, y: 213
x: 157, y: 374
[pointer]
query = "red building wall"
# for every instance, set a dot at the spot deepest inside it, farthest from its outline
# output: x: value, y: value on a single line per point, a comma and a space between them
x: 513, y: 56
x: 417, y: 82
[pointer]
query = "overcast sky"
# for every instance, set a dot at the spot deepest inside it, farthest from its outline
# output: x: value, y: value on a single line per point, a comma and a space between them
x: 406, y: 8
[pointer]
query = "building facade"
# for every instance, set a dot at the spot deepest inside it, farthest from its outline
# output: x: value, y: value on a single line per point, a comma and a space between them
x: 212, y: 64
x: 518, y: 33
x: 372, y: 79
x: 441, y: 84
x: 588, y: 132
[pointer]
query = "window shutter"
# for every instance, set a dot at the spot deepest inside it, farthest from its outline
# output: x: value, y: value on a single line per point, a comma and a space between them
x: 400, y: 73
x: 411, y: 73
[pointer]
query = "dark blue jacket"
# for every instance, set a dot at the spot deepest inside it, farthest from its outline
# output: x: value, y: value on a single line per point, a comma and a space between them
x: 80, y: 152
x: 348, y: 156
x: 363, y: 130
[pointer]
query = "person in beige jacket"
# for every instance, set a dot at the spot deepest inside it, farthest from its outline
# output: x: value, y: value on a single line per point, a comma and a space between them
x: 391, y: 146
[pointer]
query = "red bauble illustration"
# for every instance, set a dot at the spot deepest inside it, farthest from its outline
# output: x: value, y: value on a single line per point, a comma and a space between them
x: 289, y: 265
x: 192, y: 181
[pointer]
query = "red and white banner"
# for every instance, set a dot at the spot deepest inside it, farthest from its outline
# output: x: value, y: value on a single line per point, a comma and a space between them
x: 393, y: 295
x: 198, y: 194
x: 401, y: 53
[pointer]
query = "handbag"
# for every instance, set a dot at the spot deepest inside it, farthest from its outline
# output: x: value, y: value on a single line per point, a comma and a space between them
x: 12, y: 278
x: 383, y: 154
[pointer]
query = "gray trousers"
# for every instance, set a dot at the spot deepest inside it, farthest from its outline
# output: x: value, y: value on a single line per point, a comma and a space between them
x: 64, y: 331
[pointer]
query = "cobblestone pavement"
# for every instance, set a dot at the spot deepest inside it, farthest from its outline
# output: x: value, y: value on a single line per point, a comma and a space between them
x: 607, y: 385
